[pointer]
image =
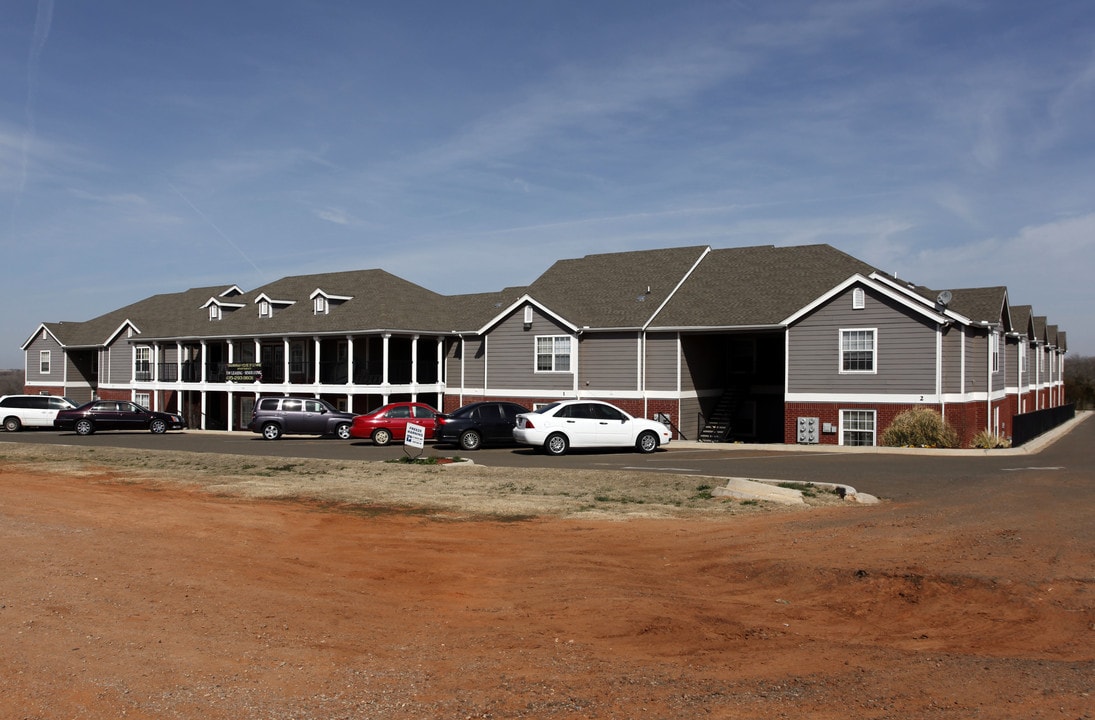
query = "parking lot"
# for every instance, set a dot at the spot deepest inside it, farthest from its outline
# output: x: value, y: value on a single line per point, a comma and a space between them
x: 883, y: 473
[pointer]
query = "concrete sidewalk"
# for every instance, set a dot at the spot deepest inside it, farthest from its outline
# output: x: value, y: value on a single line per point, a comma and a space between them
x: 1033, y: 447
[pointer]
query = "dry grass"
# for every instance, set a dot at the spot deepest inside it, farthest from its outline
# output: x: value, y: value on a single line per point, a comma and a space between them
x: 457, y: 489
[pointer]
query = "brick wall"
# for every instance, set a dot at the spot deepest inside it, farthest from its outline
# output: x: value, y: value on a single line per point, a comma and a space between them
x: 967, y: 419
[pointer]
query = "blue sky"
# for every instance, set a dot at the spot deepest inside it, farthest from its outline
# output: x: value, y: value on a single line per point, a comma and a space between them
x: 151, y: 147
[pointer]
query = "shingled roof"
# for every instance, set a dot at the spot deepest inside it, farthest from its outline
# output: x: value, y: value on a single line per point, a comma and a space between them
x: 987, y: 304
x: 170, y: 314
x: 674, y: 288
x: 757, y: 286
x: 1022, y: 319
x: 614, y: 290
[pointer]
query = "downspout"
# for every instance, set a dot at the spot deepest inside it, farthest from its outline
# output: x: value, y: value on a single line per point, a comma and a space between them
x: 463, y: 356
x: 939, y: 370
x: 988, y: 386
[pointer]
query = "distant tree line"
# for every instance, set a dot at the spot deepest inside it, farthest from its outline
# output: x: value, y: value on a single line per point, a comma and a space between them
x: 11, y: 382
x: 1080, y: 381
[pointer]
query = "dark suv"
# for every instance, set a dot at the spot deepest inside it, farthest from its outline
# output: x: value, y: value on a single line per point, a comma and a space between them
x: 277, y: 416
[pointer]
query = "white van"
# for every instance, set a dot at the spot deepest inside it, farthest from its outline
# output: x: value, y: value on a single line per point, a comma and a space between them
x: 20, y: 411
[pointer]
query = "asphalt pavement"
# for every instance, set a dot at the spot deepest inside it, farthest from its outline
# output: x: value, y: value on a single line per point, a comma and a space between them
x: 889, y: 473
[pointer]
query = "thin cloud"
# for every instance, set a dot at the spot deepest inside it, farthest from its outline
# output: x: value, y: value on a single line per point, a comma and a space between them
x: 42, y: 22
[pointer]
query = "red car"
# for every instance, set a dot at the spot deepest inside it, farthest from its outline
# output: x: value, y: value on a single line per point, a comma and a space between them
x: 389, y: 422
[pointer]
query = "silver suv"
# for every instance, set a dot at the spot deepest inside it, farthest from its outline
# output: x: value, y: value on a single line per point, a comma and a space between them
x: 20, y: 411
x: 277, y: 416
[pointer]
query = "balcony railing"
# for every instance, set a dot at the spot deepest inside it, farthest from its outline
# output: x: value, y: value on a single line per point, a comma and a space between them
x: 333, y: 372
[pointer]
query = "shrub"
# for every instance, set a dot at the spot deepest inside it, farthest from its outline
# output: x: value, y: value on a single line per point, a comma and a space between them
x: 989, y: 441
x: 920, y: 427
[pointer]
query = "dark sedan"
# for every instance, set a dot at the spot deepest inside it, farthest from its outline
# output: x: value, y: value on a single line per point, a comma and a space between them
x: 479, y: 423
x: 116, y: 415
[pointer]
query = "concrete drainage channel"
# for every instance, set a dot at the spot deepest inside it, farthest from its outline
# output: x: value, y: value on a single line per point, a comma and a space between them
x: 771, y: 490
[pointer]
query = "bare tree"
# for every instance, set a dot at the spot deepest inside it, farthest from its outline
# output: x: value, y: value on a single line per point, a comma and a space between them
x: 1080, y: 381
x: 11, y: 382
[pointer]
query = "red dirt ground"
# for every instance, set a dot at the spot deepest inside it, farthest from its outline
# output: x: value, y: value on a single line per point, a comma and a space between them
x: 152, y: 601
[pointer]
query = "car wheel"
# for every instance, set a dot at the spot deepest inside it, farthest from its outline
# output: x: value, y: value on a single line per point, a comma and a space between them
x: 12, y: 424
x: 556, y: 444
x: 647, y: 442
x: 158, y: 427
x: 271, y: 431
x: 470, y: 440
x: 84, y: 427
x: 381, y: 437
x: 343, y: 431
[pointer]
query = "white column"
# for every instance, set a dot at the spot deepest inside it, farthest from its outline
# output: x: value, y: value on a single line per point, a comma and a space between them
x: 384, y: 360
x: 414, y: 368
x: 285, y: 360
x: 349, y: 359
x: 315, y: 362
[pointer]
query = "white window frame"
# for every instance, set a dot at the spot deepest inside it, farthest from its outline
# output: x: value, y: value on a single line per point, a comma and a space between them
x: 214, y: 312
x: 320, y: 305
x: 994, y: 350
x: 841, y: 349
x: 264, y: 308
x: 873, y: 414
x: 45, y: 361
x: 145, y: 361
x: 859, y: 299
x: 554, y: 355
x: 143, y: 399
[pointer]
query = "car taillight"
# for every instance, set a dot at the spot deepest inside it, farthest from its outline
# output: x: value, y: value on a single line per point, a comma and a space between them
x: 526, y: 423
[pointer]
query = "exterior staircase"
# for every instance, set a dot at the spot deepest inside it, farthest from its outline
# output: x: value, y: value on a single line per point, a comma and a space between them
x: 718, y: 425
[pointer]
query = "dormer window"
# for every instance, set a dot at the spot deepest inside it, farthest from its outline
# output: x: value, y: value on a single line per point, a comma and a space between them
x: 214, y: 312
x: 859, y: 299
x: 264, y: 308
x: 319, y: 305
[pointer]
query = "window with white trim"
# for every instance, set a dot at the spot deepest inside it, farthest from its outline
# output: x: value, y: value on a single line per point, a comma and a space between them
x: 994, y: 349
x: 142, y: 363
x: 143, y: 399
x: 553, y: 353
x: 44, y: 361
x: 264, y: 308
x: 214, y: 312
x: 857, y: 427
x: 319, y: 305
x: 857, y: 351
x: 859, y: 299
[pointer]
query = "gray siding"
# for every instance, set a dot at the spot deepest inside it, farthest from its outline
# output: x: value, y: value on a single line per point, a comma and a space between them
x: 977, y: 360
x: 56, y: 360
x: 513, y: 355
x: 904, y: 354
x: 465, y: 363
x: 119, y: 365
x: 609, y: 361
x: 953, y: 338
x: 661, y: 362
x: 691, y: 419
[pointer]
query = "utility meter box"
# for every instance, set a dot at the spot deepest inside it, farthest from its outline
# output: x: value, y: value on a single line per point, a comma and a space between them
x: 809, y: 428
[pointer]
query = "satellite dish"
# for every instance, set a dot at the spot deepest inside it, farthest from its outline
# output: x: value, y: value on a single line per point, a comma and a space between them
x: 944, y: 298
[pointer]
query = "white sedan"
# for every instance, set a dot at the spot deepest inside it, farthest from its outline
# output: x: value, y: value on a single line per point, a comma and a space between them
x: 587, y: 424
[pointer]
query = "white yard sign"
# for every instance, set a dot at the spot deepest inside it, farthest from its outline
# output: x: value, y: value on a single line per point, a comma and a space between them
x: 416, y: 436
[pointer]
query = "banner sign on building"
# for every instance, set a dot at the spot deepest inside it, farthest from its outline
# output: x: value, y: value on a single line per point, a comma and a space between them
x: 243, y: 372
